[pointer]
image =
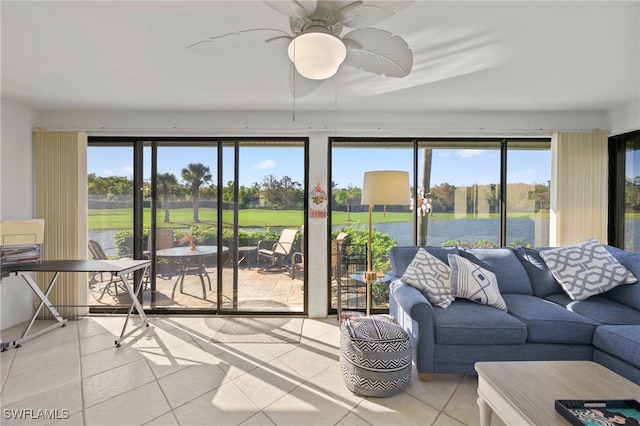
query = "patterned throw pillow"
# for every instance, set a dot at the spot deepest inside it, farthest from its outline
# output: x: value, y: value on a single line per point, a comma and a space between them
x: 430, y: 275
x: 586, y: 269
x: 475, y: 283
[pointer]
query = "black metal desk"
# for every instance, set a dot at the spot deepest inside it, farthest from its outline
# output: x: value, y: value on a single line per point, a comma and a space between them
x: 120, y: 268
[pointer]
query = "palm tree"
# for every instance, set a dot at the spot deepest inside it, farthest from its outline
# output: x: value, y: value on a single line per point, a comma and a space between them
x: 344, y: 197
x: 196, y: 174
x: 423, y: 220
x: 166, y: 183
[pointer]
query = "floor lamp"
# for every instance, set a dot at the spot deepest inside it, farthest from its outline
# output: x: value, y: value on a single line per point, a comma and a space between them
x: 384, y: 188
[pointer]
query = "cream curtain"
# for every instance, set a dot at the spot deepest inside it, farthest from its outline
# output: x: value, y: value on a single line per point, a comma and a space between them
x: 579, y: 200
x: 61, y: 200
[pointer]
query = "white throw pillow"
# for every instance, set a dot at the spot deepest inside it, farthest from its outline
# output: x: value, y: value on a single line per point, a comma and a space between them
x: 586, y: 269
x: 430, y: 275
x: 475, y: 283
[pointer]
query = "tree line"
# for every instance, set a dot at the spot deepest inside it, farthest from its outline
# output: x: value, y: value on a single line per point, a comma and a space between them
x: 444, y: 197
x: 196, y: 184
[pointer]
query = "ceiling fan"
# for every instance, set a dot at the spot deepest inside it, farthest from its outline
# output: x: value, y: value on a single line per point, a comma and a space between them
x: 316, y: 48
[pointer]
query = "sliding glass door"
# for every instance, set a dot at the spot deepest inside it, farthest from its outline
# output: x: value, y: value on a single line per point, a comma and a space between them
x: 214, y: 215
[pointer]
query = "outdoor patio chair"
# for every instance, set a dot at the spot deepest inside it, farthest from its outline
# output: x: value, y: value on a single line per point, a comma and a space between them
x: 98, y: 253
x: 297, y: 258
x: 278, y: 252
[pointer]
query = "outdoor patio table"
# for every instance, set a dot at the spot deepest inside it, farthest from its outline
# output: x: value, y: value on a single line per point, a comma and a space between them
x: 184, y: 254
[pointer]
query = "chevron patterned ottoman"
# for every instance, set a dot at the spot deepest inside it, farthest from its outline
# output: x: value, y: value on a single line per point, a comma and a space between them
x: 375, y: 355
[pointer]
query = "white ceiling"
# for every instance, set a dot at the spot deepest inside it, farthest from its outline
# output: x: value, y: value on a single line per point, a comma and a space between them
x: 468, y: 56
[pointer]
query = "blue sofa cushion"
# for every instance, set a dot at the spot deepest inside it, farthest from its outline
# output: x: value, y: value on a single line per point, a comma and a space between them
x: 628, y: 259
x: 401, y: 257
x: 599, y: 308
x: 511, y: 275
x: 622, y: 341
x: 548, y: 322
x: 468, y: 323
x: 542, y: 280
x: 626, y: 294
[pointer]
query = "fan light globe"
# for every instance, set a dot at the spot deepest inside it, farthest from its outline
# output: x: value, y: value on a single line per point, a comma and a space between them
x: 317, y: 55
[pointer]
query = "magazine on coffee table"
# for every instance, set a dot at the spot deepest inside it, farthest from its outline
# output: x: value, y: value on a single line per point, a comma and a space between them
x: 610, y: 412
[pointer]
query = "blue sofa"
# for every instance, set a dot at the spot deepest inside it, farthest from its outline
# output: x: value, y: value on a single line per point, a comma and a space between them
x: 541, y: 322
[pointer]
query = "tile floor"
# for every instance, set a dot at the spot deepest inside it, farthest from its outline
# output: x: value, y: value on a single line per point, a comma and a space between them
x: 171, y: 374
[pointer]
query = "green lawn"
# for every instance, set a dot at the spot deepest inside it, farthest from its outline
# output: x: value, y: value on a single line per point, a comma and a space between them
x: 183, y: 218
x: 259, y: 218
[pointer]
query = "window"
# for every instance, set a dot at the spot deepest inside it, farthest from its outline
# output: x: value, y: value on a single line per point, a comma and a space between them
x: 624, y: 191
x: 468, y: 192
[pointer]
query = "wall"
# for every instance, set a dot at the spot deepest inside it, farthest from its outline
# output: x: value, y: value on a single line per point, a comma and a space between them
x: 625, y: 117
x: 16, y: 199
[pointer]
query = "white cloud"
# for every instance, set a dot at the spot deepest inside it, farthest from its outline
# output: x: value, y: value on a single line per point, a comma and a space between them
x: 266, y: 164
x: 468, y: 153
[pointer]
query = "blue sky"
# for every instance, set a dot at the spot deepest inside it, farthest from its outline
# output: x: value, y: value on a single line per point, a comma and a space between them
x: 454, y: 166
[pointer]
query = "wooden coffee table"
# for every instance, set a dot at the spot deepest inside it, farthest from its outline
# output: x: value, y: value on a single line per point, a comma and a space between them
x: 524, y: 392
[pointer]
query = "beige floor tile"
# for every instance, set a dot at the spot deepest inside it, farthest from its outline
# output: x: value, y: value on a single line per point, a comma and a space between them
x: 308, y: 363
x: 22, y: 386
x: 268, y: 383
x: 168, y: 419
x: 89, y: 327
x: 74, y: 420
x: 115, y: 381
x: 6, y: 361
x: 96, y: 343
x: 258, y: 419
x: 331, y: 382
x: 399, y: 409
x: 56, y: 336
x: 61, y: 402
x: 226, y: 405
x: 352, y: 419
x: 107, y: 359
x: 190, y: 383
x: 463, y: 404
x: 136, y: 407
x: 444, y: 420
x: 155, y: 337
x: 32, y: 361
x: 307, y: 405
x: 435, y: 392
x: 238, y: 359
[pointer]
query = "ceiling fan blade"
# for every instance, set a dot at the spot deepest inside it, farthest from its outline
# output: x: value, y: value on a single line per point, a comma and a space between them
x: 378, y: 51
x: 345, y: 10
x: 362, y: 14
x: 293, y: 8
x: 299, y: 85
x: 235, y: 43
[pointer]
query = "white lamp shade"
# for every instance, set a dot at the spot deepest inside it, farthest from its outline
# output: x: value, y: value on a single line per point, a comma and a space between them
x: 386, y: 187
x: 317, y: 55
